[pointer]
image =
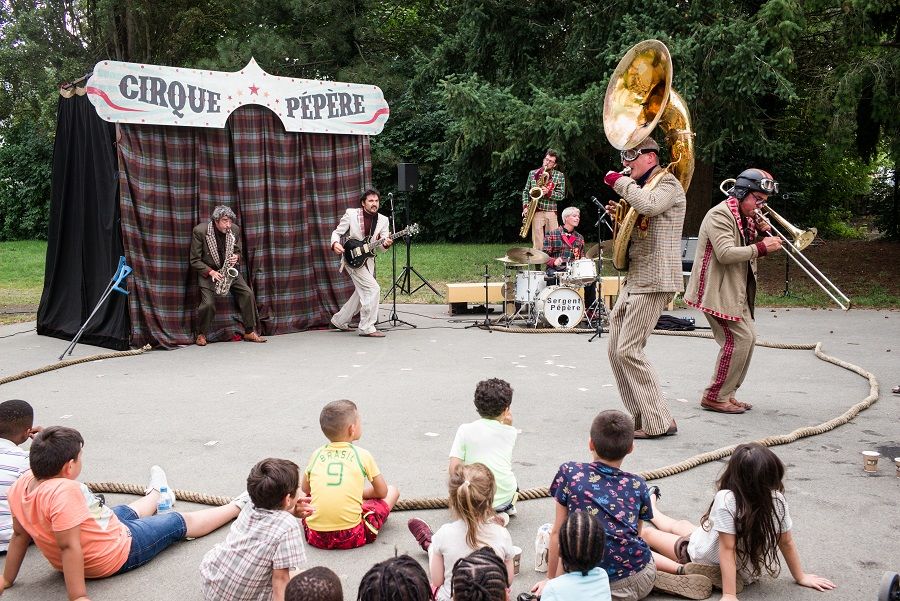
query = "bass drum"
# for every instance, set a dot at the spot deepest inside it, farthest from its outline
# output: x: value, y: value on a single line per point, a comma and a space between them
x: 560, y: 306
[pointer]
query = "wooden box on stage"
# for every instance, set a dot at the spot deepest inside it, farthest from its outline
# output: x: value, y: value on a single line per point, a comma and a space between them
x: 459, y: 296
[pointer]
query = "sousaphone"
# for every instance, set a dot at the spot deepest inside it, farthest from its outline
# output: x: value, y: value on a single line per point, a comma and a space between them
x: 640, y: 97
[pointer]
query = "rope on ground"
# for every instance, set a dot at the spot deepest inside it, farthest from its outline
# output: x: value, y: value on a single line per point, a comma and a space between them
x: 669, y: 470
x: 68, y: 362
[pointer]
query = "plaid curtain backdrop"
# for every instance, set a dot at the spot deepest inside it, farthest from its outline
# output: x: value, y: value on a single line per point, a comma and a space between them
x: 288, y: 190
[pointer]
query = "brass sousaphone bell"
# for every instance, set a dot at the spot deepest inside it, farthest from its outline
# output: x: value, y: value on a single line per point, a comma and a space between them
x: 638, y: 98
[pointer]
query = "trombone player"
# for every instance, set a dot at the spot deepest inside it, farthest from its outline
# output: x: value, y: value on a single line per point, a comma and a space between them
x: 723, y: 281
x: 546, y: 186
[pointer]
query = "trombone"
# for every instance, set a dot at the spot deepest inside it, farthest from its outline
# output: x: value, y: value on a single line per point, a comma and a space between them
x: 793, y: 246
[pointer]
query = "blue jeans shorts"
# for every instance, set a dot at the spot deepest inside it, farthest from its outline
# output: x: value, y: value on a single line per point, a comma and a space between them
x: 149, y: 535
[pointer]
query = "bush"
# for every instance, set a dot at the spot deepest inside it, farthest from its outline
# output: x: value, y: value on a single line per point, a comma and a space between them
x: 26, y: 166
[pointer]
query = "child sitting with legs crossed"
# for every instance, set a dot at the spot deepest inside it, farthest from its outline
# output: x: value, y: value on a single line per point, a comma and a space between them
x: 352, y: 499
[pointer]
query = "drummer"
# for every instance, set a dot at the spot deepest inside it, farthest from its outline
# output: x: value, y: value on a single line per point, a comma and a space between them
x: 565, y: 245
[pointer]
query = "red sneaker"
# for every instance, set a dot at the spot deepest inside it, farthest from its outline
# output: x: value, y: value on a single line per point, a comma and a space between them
x: 421, y: 531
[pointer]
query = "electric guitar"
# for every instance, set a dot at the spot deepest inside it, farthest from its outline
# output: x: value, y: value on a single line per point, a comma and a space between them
x: 357, y: 251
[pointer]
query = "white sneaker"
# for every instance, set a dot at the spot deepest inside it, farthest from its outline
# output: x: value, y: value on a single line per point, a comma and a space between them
x: 511, y: 511
x: 242, y: 500
x: 158, y: 481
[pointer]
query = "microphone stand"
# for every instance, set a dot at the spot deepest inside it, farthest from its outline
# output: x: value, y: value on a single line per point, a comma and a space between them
x: 486, y: 324
x: 598, y: 305
x: 394, y: 320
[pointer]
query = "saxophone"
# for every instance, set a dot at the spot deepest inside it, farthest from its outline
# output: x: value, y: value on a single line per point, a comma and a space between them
x: 535, y: 193
x: 230, y: 275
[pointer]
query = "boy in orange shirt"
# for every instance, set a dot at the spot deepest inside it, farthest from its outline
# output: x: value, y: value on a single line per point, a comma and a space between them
x: 77, y: 533
x: 352, y: 499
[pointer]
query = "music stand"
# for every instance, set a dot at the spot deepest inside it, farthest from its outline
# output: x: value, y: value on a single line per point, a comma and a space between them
x: 394, y: 320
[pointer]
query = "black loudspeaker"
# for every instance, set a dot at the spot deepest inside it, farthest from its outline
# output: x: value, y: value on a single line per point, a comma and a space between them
x: 407, y: 177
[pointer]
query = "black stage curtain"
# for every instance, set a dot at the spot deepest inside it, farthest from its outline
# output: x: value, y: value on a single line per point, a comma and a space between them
x: 85, y: 237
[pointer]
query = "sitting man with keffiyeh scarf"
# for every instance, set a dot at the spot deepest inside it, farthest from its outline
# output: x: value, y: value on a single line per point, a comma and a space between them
x: 213, y: 242
x: 723, y: 282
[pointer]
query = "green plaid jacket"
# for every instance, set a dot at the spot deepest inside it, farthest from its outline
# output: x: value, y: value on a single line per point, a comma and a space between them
x: 558, y: 178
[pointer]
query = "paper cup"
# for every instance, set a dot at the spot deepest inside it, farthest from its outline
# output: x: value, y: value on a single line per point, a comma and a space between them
x: 870, y: 461
x: 517, y: 559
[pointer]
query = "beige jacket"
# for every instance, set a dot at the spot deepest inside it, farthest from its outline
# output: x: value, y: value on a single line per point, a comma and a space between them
x: 654, y: 260
x: 718, y: 283
x: 351, y: 226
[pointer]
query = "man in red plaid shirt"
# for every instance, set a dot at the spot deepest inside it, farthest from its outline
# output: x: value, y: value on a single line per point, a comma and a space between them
x: 565, y: 245
x: 552, y: 192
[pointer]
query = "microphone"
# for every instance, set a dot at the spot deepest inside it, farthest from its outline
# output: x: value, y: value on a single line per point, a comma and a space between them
x: 596, y: 202
x: 391, y: 196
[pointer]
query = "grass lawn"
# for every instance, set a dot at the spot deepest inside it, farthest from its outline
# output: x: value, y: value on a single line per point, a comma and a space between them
x: 21, y: 279
x: 22, y: 275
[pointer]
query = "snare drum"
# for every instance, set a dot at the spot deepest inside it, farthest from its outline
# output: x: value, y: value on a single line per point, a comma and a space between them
x: 560, y: 306
x: 580, y: 273
x: 528, y: 285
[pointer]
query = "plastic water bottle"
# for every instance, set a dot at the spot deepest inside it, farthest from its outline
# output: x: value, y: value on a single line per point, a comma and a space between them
x: 165, y: 501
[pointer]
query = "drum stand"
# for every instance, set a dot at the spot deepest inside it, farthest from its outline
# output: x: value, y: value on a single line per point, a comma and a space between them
x: 598, y: 307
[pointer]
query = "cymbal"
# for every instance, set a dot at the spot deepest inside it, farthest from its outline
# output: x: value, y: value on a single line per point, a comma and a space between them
x: 593, y: 252
x: 509, y: 262
x: 528, y: 256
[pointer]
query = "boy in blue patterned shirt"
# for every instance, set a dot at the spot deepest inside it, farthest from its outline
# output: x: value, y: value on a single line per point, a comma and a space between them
x: 620, y: 501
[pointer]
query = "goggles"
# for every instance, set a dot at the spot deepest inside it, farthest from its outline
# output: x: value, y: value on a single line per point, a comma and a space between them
x: 633, y: 153
x: 769, y: 186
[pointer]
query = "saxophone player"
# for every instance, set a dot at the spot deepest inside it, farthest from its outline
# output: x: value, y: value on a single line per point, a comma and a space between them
x: 551, y: 183
x: 216, y: 249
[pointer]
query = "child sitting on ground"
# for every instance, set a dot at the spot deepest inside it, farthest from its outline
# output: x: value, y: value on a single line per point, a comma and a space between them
x: 620, y: 501
x: 315, y: 584
x: 471, y: 493
x: 490, y: 440
x: 396, y: 579
x: 480, y: 576
x: 581, y: 542
x: 264, y: 547
x: 16, y: 426
x: 740, y: 533
x: 352, y: 499
x: 77, y: 533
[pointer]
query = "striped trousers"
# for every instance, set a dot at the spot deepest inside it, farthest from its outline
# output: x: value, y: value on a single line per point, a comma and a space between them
x: 736, y: 341
x: 630, y: 324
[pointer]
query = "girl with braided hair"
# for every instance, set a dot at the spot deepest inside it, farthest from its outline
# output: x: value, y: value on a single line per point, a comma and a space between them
x: 472, y: 491
x: 397, y: 579
x: 480, y: 576
x: 741, y: 532
x: 581, y: 544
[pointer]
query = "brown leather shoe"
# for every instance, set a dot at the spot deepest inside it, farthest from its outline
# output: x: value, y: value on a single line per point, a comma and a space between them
x: 253, y: 337
x: 746, y: 406
x: 375, y: 334
x: 726, y: 407
x: 672, y: 431
x: 201, y: 340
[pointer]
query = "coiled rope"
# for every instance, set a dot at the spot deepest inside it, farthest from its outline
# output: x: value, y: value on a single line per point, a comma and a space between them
x: 531, y: 493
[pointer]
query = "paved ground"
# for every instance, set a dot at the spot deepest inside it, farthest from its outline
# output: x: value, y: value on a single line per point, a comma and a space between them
x: 208, y: 414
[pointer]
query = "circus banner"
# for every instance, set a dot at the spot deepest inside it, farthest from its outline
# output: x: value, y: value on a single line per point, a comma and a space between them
x: 154, y: 94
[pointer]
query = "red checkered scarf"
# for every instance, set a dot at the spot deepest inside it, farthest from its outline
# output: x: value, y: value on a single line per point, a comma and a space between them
x: 734, y: 206
x: 214, y: 248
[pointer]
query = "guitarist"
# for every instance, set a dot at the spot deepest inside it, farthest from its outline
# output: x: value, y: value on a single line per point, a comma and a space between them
x: 361, y: 223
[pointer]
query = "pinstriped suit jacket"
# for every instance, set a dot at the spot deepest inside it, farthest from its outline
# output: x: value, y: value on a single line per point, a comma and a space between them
x: 655, y: 259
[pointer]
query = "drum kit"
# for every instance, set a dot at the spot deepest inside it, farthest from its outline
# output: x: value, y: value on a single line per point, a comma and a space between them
x: 540, y: 301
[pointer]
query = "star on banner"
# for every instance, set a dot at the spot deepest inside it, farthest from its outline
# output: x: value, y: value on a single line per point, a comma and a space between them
x: 254, y: 90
